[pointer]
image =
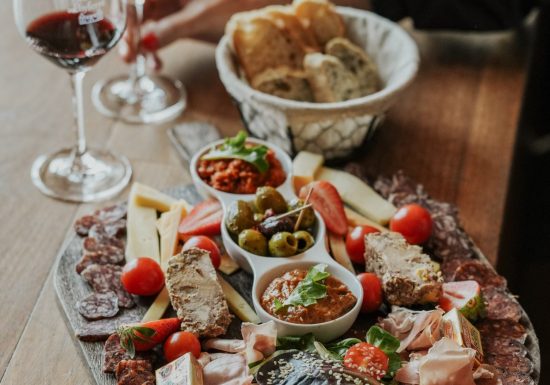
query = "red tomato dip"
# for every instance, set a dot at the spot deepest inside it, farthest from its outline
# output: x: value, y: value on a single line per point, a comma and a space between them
x: 339, y: 300
x: 240, y: 177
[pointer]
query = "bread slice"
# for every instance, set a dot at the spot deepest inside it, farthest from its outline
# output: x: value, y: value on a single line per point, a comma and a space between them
x: 285, y: 19
x: 260, y: 45
x: 357, y: 61
x: 321, y: 19
x: 330, y: 80
x: 285, y: 83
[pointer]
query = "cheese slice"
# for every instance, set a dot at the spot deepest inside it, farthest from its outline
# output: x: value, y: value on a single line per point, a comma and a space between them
x: 227, y: 265
x: 141, y: 232
x: 339, y: 252
x: 237, y: 304
x: 358, y: 195
x: 356, y: 219
x: 149, y: 197
x: 185, y: 370
x: 167, y: 226
x: 304, y: 167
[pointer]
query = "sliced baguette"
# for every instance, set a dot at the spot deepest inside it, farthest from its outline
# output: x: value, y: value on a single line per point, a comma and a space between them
x: 285, y: 19
x: 357, y: 61
x: 330, y: 80
x: 285, y: 83
x: 260, y: 45
x: 320, y: 18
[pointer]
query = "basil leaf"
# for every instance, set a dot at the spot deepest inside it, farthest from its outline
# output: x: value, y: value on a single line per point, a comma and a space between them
x: 235, y: 148
x: 340, y: 348
x: 382, y: 339
x: 304, y: 343
x: 394, y: 364
x: 310, y: 289
x: 325, y: 353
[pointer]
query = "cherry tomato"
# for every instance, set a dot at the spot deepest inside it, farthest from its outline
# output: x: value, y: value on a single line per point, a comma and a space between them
x: 142, y: 276
x: 368, y: 359
x: 355, y: 243
x: 181, y: 343
x: 414, y: 222
x: 205, y: 243
x: 372, y: 292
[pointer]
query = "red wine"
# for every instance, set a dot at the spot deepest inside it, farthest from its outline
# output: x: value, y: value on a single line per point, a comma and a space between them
x: 74, y: 41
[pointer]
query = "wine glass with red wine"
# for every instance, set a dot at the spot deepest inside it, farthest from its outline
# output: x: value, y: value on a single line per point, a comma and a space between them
x: 139, y: 97
x: 75, y: 34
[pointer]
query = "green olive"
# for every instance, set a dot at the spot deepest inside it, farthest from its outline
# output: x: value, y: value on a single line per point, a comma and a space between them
x: 305, y: 240
x: 253, y: 241
x: 239, y: 217
x: 258, y: 217
x: 269, y: 198
x: 283, y: 244
x: 308, y: 218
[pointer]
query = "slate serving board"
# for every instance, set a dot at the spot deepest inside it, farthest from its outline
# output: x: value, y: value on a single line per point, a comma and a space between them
x: 70, y: 288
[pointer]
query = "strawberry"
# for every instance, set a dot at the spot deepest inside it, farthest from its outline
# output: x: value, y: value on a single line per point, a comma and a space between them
x: 145, y: 336
x: 465, y: 296
x: 327, y: 201
x: 204, y: 219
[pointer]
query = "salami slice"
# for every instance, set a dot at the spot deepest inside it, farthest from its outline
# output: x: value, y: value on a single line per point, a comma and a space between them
x: 98, y: 306
x: 95, y: 331
x: 104, y: 231
x: 449, y: 266
x: 83, y: 225
x: 113, y: 354
x: 502, y: 329
x: 95, y: 244
x: 135, y: 372
x: 103, y: 256
x: 512, y: 378
x: 112, y: 213
x: 481, y: 272
x: 504, y: 346
x: 501, y: 305
x: 107, y: 278
x: 507, y: 363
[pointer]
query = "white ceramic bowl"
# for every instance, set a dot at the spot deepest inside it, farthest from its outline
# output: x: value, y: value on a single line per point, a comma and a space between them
x: 333, y: 129
x: 265, y: 269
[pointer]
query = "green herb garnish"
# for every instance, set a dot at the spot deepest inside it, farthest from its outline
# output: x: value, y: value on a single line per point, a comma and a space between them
x: 236, y: 148
x: 308, y: 291
x: 388, y: 344
x: 304, y: 343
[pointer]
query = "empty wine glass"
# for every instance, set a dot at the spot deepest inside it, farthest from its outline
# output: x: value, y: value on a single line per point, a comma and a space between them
x: 75, y: 34
x: 139, y: 97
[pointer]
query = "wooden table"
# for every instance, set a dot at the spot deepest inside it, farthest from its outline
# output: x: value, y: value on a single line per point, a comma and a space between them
x: 454, y: 130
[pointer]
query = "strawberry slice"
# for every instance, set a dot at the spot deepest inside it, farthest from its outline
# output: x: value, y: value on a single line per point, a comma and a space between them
x: 145, y: 336
x: 327, y: 201
x: 464, y: 296
x: 204, y: 219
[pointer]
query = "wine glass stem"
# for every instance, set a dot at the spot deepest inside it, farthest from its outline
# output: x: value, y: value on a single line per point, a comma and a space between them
x: 138, y: 68
x: 78, y: 111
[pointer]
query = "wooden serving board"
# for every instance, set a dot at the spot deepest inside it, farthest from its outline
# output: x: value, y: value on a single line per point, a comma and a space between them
x: 70, y: 288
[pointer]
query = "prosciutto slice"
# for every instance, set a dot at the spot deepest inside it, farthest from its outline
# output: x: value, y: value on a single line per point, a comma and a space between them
x: 416, y: 330
x: 446, y: 363
x: 223, y: 345
x: 226, y: 369
x: 260, y: 340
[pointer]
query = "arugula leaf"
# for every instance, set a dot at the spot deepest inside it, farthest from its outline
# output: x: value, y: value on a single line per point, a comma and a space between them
x: 340, y: 348
x: 236, y: 148
x: 305, y: 343
x: 382, y: 339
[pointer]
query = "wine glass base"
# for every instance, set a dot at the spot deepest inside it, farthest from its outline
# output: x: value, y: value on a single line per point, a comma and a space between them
x: 95, y: 176
x: 156, y: 99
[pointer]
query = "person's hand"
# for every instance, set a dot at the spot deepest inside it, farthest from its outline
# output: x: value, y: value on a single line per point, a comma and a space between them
x: 170, y: 20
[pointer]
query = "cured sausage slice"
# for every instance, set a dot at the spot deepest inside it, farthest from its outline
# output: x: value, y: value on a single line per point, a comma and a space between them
x: 95, y: 331
x: 107, y: 278
x: 94, y: 244
x: 103, y: 256
x: 113, y: 354
x: 502, y: 329
x: 83, y: 225
x: 112, y: 213
x: 99, y: 305
x: 481, y: 272
x: 135, y: 372
x: 449, y: 266
x: 504, y: 346
x: 501, y: 305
